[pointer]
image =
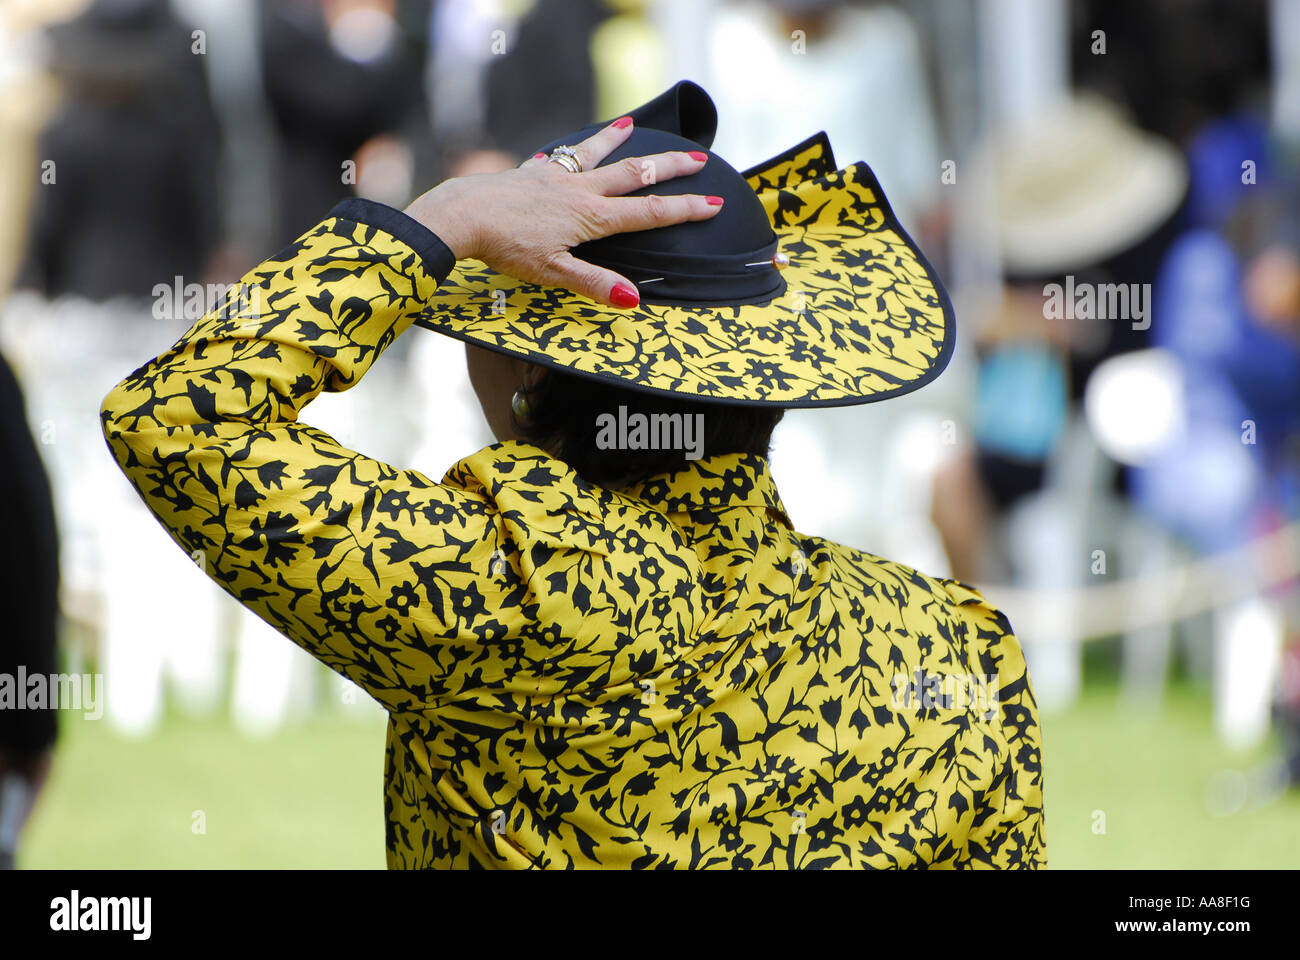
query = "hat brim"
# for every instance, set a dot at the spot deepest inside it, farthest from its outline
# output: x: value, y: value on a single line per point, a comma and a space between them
x: 863, y: 318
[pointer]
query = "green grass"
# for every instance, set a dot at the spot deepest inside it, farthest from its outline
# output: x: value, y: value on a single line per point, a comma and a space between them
x: 311, y: 796
x: 1149, y: 773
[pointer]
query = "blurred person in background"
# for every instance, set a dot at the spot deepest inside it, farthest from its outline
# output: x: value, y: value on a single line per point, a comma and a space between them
x: 29, y: 95
x: 344, y: 83
x: 1289, y: 711
x: 1200, y: 72
x: 854, y: 68
x: 1228, y: 313
x: 128, y: 195
x: 547, y: 77
x: 1223, y: 311
x: 29, y: 596
x: 1079, y: 205
x: 1175, y: 64
x: 584, y: 48
x: 124, y: 198
x: 1080, y: 199
x: 1272, y: 291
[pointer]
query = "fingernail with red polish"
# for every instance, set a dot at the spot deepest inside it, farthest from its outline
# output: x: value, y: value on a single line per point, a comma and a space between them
x: 714, y: 201
x: 624, y: 295
x: 538, y: 156
x: 622, y: 122
x: 698, y: 155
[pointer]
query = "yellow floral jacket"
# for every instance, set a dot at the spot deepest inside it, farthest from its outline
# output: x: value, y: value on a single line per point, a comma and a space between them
x: 666, y: 676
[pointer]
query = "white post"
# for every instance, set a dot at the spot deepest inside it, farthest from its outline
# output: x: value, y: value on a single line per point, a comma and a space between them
x: 1025, y: 56
x: 1284, y: 29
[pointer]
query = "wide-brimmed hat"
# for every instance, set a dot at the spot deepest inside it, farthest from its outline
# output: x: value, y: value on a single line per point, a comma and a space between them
x: 858, y: 314
x: 1074, y: 184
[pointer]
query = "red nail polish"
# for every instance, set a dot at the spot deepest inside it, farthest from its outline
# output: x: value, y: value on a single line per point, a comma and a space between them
x: 538, y: 156
x: 622, y: 122
x: 624, y: 295
x: 698, y: 155
x: 714, y: 201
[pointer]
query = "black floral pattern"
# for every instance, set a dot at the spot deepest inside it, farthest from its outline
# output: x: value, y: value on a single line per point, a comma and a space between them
x: 863, y: 315
x: 663, y: 676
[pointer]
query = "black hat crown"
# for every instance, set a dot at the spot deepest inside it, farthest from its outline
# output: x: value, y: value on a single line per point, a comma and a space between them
x: 725, y: 260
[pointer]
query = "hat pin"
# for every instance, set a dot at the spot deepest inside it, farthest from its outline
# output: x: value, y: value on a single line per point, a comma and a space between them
x: 778, y: 261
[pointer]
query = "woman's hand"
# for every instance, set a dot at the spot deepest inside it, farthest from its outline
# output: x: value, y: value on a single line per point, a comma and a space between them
x: 522, y: 222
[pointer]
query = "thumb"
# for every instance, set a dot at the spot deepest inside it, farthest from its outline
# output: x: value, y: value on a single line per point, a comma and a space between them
x: 595, y: 283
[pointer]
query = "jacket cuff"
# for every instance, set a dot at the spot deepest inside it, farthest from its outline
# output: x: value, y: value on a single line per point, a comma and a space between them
x: 437, y: 256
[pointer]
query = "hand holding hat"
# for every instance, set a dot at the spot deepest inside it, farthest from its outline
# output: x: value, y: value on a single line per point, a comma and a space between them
x: 523, y: 222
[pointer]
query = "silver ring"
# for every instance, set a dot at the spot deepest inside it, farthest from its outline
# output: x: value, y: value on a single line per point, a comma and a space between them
x: 566, y: 157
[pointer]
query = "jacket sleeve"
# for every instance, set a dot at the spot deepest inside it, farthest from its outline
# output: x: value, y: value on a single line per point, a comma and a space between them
x: 358, y: 562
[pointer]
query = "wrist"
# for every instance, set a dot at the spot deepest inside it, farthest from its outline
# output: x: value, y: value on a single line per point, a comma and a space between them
x: 443, y: 212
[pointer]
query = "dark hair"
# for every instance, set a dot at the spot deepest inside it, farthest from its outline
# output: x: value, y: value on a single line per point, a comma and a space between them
x: 564, y: 413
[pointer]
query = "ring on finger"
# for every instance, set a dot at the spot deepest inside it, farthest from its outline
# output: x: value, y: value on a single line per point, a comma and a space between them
x: 566, y: 157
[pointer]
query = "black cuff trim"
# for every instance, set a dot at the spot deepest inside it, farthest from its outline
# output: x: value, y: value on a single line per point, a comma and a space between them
x: 437, y: 256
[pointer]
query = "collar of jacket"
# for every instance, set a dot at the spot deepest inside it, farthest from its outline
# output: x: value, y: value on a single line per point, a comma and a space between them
x: 713, y: 484
x: 704, y: 488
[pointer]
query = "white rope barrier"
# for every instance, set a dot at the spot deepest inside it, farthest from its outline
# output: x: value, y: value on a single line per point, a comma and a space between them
x: 1267, y: 562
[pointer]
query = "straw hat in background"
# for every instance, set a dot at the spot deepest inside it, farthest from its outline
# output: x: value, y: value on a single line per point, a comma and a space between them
x: 1076, y: 184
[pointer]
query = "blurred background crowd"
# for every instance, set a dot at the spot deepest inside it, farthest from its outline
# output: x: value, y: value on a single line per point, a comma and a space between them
x: 1108, y: 190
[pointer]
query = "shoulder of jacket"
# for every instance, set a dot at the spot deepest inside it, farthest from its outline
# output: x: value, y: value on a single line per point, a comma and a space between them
x: 960, y: 598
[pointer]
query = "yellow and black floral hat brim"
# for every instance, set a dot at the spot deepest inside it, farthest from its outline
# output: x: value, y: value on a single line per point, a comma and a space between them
x: 863, y: 316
